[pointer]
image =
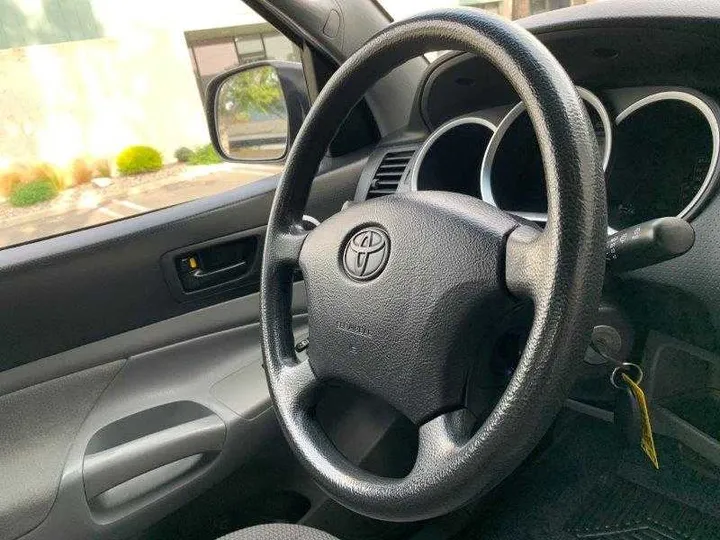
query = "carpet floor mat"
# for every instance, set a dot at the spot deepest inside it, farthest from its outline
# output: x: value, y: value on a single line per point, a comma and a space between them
x: 585, y: 484
x: 622, y: 510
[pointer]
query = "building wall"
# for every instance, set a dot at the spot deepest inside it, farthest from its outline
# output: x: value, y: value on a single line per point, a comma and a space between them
x: 125, y: 78
x: 96, y: 97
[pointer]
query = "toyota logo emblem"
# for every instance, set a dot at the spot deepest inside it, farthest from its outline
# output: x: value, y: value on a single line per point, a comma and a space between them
x: 366, y: 253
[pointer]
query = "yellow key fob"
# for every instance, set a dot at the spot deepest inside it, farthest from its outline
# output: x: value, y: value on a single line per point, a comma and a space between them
x: 647, y: 443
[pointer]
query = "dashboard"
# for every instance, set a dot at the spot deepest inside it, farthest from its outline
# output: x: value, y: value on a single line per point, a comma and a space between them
x: 651, y: 97
x: 649, y: 76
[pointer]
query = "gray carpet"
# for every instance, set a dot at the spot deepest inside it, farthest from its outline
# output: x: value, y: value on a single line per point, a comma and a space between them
x: 585, y: 484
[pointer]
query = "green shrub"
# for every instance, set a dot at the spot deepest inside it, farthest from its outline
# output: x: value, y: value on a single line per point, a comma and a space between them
x: 183, y: 154
x: 204, y: 155
x: 138, y: 159
x: 33, y: 192
x: 45, y: 171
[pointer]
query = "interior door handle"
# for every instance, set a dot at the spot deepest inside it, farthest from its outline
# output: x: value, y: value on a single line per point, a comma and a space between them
x: 109, y: 468
x: 219, y: 272
x: 202, y: 278
x: 216, y: 265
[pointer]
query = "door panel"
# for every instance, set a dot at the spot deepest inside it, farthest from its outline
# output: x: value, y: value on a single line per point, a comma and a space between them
x: 38, y: 425
x: 230, y: 314
x: 110, y: 449
x: 64, y: 292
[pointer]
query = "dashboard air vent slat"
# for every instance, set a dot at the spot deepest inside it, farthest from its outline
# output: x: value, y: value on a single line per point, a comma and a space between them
x: 389, y: 172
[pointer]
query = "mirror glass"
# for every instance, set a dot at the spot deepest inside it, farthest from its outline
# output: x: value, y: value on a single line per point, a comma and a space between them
x: 251, y: 116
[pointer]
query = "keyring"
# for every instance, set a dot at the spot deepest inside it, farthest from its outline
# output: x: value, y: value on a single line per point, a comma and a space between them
x: 623, y: 368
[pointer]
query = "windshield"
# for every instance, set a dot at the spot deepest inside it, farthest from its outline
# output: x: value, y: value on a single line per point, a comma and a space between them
x: 510, y: 9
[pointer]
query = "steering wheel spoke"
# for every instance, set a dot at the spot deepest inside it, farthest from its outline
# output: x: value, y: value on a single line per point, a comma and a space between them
x: 526, y: 259
x: 299, y: 384
x: 441, y: 437
x: 288, y: 244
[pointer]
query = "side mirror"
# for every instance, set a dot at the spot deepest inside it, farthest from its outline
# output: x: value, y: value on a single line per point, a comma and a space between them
x: 254, y: 111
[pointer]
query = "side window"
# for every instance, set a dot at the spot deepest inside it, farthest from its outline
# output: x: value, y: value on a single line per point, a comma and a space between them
x: 103, y: 107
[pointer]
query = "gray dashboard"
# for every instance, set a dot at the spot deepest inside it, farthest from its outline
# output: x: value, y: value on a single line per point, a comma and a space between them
x: 648, y: 72
x: 624, y: 53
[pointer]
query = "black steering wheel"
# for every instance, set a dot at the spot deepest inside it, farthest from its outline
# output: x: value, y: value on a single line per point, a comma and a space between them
x: 402, y: 289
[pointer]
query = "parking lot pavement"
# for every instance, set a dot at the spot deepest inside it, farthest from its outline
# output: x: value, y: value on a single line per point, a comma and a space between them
x: 186, y: 188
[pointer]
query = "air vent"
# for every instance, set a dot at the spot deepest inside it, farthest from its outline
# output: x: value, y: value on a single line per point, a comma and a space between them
x: 388, y: 174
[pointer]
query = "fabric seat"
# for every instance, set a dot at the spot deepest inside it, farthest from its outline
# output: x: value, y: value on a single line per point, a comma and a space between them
x: 278, y: 532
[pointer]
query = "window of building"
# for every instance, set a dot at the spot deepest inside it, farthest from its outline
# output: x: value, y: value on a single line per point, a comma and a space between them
x: 250, y: 48
x: 278, y: 47
x: 540, y: 6
x: 213, y: 57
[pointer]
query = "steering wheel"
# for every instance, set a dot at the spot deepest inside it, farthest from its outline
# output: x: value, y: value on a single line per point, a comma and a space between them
x: 403, y: 289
